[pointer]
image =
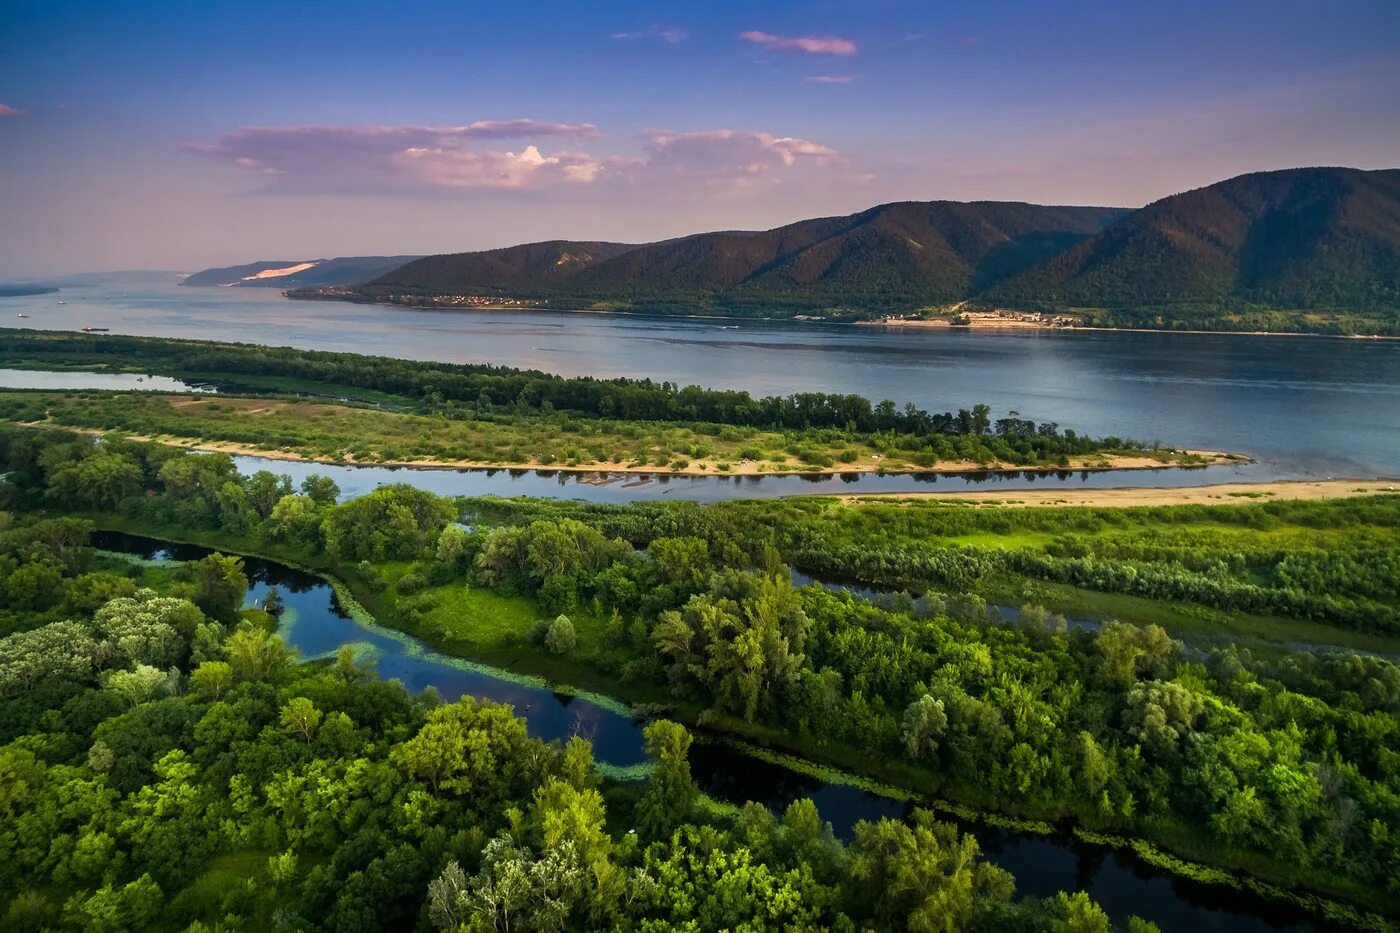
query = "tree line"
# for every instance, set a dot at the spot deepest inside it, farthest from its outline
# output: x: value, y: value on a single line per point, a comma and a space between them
x: 485, y: 387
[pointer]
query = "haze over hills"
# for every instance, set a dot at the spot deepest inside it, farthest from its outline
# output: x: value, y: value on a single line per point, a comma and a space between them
x: 293, y: 273
x: 1299, y: 249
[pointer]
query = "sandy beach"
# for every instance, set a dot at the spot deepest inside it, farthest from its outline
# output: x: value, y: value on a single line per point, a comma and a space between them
x: 1221, y: 494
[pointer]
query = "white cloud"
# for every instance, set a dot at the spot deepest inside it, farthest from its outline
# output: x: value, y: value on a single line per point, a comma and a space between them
x: 811, y: 45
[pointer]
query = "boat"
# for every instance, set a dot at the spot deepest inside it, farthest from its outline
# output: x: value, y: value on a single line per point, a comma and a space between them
x: 95, y: 330
x: 21, y: 315
x: 63, y: 302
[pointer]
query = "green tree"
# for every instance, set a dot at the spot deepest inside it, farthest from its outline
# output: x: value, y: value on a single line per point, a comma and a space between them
x: 560, y: 637
x: 321, y: 490
x: 219, y: 585
x: 924, y: 876
x: 671, y: 792
x: 924, y: 722
x: 466, y: 748
x: 300, y: 717
x: 256, y: 655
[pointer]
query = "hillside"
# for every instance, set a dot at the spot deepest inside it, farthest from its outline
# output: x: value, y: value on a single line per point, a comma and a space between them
x: 294, y: 273
x: 890, y: 256
x: 1321, y: 239
x: 1315, y: 249
x: 531, y: 267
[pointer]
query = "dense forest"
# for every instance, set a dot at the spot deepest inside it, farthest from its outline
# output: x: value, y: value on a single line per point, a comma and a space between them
x: 166, y: 763
x: 1284, y: 765
x: 1324, y: 239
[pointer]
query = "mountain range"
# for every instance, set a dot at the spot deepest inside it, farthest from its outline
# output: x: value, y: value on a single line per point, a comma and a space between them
x: 1312, y: 249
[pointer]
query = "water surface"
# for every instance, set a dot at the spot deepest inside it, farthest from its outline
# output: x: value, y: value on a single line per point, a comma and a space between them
x: 79, y: 379
x: 1306, y: 406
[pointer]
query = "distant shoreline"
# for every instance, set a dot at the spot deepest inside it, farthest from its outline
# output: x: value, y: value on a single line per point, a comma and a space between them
x: 922, y: 324
x: 941, y: 324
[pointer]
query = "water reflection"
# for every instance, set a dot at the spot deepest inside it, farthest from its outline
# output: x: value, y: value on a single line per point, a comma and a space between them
x: 612, y: 487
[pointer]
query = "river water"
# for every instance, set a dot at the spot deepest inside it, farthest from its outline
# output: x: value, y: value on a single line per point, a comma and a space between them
x: 1123, y: 884
x: 1304, y: 407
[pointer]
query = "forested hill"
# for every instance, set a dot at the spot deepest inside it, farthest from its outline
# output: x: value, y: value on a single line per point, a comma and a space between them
x: 530, y: 267
x: 891, y: 256
x: 1301, y: 249
x: 1314, y: 238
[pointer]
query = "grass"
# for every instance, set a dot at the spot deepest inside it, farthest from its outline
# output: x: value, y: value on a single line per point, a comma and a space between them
x: 319, y: 430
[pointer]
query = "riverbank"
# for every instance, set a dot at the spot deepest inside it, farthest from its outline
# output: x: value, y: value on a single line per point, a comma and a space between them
x: 861, y: 463
x: 1131, y: 496
x: 1023, y: 324
x: 843, y: 766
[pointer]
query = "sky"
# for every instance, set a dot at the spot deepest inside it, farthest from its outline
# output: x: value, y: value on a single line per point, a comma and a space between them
x: 180, y: 135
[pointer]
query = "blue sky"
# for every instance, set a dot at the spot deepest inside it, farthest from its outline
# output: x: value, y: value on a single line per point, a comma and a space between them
x: 179, y: 135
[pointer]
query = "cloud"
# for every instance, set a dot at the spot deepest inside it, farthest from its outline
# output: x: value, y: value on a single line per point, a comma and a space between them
x: 349, y: 158
x: 7, y: 111
x: 829, y: 79
x: 735, y: 159
x: 465, y: 168
x: 670, y: 34
x: 288, y: 140
x: 812, y: 45
x: 555, y: 158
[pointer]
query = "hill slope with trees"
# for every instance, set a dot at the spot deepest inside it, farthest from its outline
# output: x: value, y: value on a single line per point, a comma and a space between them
x: 1318, y: 238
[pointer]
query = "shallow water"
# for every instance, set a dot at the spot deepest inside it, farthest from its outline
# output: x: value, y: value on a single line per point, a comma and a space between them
x: 608, y: 487
x: 78, y: 379
x: 316, y: 626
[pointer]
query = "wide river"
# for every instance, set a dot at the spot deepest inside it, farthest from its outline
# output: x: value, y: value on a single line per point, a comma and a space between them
x: 1304, y: 407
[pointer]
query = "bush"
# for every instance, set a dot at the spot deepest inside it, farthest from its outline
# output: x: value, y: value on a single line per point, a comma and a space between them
x: 561, y: 638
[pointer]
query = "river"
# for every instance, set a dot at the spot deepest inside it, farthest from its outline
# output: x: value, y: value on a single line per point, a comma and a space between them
x: 1305, y: 407
x: 1122, y: 883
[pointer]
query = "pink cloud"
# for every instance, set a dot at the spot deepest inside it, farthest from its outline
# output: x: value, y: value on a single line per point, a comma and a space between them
x: 735, y: 159
x: 409, y: 159
x: 814, y: 45
x: 829, y: 79
x: 466, y: 168
x: 7, y: 111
